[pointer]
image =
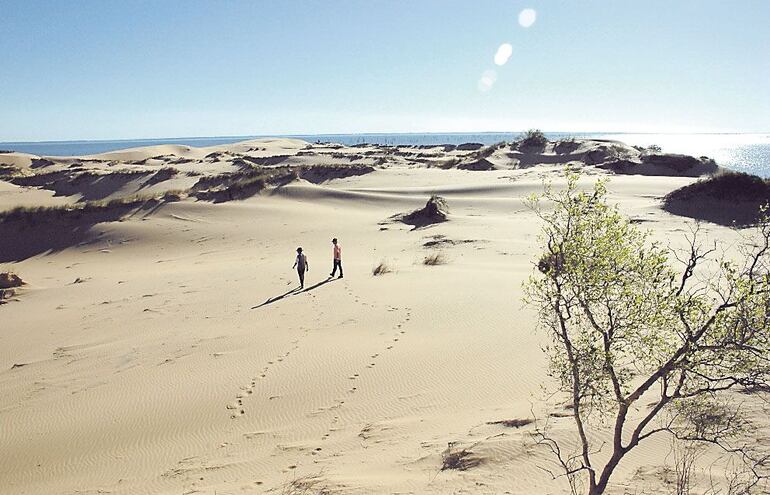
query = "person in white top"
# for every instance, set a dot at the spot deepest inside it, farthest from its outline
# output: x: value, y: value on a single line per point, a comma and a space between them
x: 301, y: 265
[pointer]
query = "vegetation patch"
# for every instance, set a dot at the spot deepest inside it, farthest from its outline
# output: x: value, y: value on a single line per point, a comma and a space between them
x: 653, y: 148
x: 676, y: 162
x: 381, y: 269
x: 322, y: 173
x: 469, y: 146
x: 458, y: 459
x: 632, y: 331
x: 40, y: 162
x: 732, y: 198
x: 512, y: 423
x: 434, y: 259
x: 5, y: 295
x: 10, y: 280
x: 728, y: 186
x: 435, y: 211
x: 240, y: 185
x: 565, y: 146
x: 481, y: 164
x: 41, y: 214
x: 440, y: 240
x: 29, y: 231
x: 533, y: 139
x: 313, y: 484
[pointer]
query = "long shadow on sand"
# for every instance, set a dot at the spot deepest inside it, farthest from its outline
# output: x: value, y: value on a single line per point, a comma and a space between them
x: 295, y: 290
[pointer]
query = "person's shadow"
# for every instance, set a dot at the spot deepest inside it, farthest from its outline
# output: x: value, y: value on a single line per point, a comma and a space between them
x: 295, y: 290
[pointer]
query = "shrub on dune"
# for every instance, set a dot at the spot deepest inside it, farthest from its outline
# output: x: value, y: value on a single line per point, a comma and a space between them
x: 533, y: 139
x: 737, y: 186
x: 732, y: 198
x: 9, y: 280
x: 435, y: 210
x: 653, y: 148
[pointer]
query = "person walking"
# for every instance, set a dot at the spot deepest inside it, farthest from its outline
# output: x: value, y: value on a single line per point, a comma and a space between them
x: 337, y: 250
x: 301, y: 265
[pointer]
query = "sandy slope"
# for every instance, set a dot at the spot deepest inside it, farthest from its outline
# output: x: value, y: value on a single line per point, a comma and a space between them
x: 181, y: 362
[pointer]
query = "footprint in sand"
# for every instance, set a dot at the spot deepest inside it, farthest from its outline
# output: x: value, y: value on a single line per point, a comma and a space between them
x: 249, y: 390
x: 234, y: 407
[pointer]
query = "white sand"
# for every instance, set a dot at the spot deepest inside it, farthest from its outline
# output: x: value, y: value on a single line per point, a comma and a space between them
x: 157, y: 374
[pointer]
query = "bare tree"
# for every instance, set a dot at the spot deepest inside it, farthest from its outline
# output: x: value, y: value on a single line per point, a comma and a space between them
x: 633, y: 338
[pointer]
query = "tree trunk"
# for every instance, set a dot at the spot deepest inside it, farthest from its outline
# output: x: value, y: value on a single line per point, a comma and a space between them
x: 604, y: 479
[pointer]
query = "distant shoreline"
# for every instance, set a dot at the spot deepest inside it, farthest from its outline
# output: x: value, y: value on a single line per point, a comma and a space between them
x: 748, y: 152
x: 236, y: 138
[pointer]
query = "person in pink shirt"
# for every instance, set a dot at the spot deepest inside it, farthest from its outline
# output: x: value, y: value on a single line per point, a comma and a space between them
x: 337, y: 258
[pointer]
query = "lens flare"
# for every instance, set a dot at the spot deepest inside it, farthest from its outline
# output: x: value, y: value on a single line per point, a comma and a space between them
x: 527, y: 17
x: 503, y: 53
x: 487, y: 80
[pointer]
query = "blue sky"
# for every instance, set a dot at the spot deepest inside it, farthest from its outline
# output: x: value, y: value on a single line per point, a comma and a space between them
x: 134, y: 69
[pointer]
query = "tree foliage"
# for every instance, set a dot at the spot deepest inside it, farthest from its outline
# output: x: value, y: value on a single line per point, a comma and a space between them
x: 640, y: 347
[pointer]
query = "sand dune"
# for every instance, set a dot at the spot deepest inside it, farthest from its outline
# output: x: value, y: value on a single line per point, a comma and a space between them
x: 170, y: 352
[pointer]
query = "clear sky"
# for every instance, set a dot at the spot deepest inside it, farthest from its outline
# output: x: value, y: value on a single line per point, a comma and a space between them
x: 100, y: 69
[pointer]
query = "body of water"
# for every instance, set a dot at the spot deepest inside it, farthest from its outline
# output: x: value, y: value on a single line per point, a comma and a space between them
x: 745, y: 152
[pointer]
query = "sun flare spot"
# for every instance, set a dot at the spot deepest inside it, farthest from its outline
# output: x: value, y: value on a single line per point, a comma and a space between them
x: 527, y: 17
x: 487, y: 80
x: 503, y: 53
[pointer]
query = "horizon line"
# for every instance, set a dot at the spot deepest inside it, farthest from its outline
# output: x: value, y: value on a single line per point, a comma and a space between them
x: 294, y: 135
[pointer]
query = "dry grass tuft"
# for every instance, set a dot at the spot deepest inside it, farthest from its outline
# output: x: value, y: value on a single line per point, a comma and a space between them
x: 512, y: 423
x: 381, y: 269
x: 458, y: 459
x: 434, y: 259
x: 313, y: 484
